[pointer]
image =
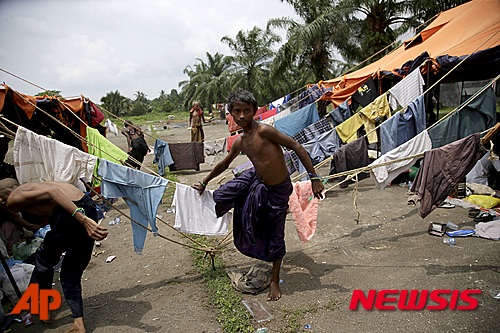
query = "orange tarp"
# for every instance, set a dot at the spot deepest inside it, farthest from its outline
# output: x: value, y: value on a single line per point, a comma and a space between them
x: 466, y: 29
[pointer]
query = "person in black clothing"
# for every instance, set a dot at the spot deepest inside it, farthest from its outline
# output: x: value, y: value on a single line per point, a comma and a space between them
x: 74, y: 229
x: 137, y: 145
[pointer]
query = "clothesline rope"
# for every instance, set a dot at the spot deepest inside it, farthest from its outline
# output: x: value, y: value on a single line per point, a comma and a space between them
x: 113, y: 206
x: 77, y: 135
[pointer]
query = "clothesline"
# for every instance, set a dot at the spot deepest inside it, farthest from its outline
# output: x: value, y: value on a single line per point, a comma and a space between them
x: 78, y: 136
x: 208, y: 250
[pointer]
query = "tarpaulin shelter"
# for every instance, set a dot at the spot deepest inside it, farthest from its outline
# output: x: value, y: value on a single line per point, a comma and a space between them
x: 48, y: 115
x: 471, y: 29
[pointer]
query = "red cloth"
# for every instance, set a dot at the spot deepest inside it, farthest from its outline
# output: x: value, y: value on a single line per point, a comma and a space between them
x: 268, y: 114
x: 261, y: 110
x: 230, y: 141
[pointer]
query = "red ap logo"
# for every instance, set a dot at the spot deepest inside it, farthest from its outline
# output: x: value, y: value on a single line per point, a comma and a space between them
x: 38, y: 301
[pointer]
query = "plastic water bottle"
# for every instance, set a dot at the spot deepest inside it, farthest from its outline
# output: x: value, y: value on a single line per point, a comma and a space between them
x: 450, y: 241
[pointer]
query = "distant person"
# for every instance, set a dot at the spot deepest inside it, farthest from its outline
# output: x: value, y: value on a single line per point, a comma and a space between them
x: 260, y: 195
x: 73, y: 229
x: 196, y: 118
x: 137, y: 145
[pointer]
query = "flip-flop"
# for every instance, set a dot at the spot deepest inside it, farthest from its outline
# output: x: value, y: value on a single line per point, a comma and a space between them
x: 484, y: 217
x: 446, y: 205
x: 474, y: 212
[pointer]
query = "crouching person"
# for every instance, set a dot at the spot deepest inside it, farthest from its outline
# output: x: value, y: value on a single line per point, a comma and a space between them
x: 72, y: 215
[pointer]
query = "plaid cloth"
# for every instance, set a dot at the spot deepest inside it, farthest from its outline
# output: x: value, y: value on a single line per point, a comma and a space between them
x: 312, y: 131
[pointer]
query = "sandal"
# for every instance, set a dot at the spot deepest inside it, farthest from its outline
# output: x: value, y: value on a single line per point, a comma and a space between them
x: 484, y: 217
x: 445, y: 204
x: 474, y: 212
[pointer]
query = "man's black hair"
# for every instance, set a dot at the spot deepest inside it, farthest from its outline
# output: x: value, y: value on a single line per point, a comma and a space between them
x: 241, y: 95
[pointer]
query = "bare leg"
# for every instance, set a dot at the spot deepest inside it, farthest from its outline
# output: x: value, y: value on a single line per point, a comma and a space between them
x: 274, y: 288
x: 78, y: 326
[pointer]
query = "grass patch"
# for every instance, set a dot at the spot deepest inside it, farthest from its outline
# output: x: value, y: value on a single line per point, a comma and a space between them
x: 231, y: 313
x: 294, y: 318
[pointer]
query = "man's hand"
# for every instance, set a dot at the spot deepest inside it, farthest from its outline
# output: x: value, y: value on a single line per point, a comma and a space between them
x: 94, y: 230
x: 199, y: 187
x: 317, y: 188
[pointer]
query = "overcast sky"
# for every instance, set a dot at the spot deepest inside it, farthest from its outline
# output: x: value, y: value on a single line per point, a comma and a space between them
x: 93, y: 47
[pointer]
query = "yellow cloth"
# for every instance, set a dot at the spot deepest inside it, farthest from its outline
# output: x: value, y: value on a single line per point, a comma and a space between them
x: 372, y: 113
x: 347, y: 130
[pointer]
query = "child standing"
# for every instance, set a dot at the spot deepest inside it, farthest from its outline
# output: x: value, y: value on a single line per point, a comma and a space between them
x: 260, y: 195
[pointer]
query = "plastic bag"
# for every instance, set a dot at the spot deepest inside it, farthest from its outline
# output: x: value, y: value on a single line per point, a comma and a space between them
x: 484, y: 201
x: 22, y: 275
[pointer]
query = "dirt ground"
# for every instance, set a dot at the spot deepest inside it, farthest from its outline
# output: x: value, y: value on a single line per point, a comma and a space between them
x: 389, y: 248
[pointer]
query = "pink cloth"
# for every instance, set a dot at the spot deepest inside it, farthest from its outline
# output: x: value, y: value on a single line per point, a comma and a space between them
x: 304, y: 211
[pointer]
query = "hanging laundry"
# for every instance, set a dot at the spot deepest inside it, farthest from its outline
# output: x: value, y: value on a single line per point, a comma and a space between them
x: 340, y: 114
x: 101, y: 147
x: 366, y: 93
x: 442, y: 168
x: 347, y: 131
x: 141, y: 191
x: 186, y: 155
x: 476, y: 116
x: 403, y: 126
x: 268, y: 114
x: 389, y: 133
x: 323, y: 146
x: 38, y: 159
x: 162, y: 156
x: 311, y: 95
x: 276, y: 103
x: 111, y: 126
x: 298, y: 120
x: 278, y: 116
x: 195, y: 213
x: 351, y: 156
x: 304, y: 210
x: 312, y: 131
x: 374, y: 113
x: 385, y: 174
x: 406, y: 90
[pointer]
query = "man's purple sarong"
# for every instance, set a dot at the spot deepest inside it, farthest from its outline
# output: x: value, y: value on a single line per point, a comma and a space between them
x: 259, y: 214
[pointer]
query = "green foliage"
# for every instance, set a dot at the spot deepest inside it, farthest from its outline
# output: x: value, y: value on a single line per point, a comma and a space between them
x: 231, y: 313
x: 330, y: 38
x: 55, y: 93
x: 116, y: 103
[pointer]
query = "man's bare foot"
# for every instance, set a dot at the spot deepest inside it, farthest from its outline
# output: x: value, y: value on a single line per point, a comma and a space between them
x: 274, y: 291
x: 78, y: 326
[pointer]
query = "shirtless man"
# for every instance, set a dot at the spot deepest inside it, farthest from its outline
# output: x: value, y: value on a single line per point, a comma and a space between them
x: 196, y: 118
x: 72, y: 215
x: 259, y: 196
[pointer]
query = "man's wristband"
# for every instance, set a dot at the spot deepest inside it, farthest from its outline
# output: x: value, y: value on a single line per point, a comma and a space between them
x: 313, y: 176
x: 202, y: 183
x: 79, y: 209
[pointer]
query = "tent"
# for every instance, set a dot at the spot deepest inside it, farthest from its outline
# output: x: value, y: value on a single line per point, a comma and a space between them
x: 471, y: 29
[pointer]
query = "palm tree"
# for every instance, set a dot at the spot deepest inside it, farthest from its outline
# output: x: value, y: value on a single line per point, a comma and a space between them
x: 116, y: 103
x: 309, y: 45
x: 208, y: 81
x: 253, y: 53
